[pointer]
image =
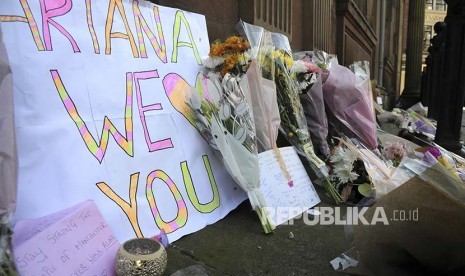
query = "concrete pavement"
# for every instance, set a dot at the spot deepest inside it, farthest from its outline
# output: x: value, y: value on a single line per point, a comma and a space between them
x: 237, y: 245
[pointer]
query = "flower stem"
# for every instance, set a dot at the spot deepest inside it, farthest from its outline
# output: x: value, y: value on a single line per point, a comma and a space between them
x: 332, y: 191
x: 267, y: 224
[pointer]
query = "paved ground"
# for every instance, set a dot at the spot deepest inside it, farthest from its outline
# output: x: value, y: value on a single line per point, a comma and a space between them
x: 237, y: 245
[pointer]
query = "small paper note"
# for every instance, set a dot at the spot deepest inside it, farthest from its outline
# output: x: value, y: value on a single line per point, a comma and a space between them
x: 343, y: 262
x: 76, y: 241
x: 285, y: 202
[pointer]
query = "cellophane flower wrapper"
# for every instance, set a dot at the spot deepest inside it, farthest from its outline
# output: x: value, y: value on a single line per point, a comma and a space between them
x: 314, y: 109
x: 223, y: 115
x: 450, y: 161
x: 433, y: 241
x: 325, y: 61
x: 453, y: 162
x: 361, y: 70
x: 427, y: 183
x: 347, y: 96
x: 383, y: 175
x: 360, y: 167
x: 415, y: 122
x: 259, y: 40
x: 162, y: 238
x: 293, y: 122
x: 262, y: 90
x: 8, y: 164
x: 422, y: 183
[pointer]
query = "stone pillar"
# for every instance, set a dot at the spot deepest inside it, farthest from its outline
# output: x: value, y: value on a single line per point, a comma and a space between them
x: 416, y: 21
x: 453, y: 81
x: 434, y: 84
x: 426, y: 78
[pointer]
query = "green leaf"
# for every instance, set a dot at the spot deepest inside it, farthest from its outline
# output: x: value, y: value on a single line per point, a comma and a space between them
x: 365, y: 189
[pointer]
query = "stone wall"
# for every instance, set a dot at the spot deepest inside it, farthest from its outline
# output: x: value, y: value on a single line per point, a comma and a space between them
x: 221, y: 15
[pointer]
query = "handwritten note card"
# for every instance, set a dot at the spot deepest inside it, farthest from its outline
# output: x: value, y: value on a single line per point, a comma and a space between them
x: 76, y: 241
x: 285, y: 201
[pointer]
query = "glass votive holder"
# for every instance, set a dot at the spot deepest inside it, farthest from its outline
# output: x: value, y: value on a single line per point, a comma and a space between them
x: 141, y: 256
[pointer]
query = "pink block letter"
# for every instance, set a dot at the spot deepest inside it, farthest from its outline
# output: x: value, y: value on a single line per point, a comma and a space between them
x: 54, y: 8
x: 160, y: 144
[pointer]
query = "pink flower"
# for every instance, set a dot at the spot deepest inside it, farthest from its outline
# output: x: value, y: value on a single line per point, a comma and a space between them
x: 395, y: 150
x: 434, y: 152
x: 311, y: 68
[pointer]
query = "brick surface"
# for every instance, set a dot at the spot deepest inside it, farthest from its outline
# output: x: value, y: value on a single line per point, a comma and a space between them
x: 221, y: 15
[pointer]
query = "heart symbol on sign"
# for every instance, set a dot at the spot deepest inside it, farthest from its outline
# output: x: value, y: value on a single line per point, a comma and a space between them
x: 178, y: 91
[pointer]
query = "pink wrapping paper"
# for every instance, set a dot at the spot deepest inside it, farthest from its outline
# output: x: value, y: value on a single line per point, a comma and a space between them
x: 350, y: 103
x: 317, y: 122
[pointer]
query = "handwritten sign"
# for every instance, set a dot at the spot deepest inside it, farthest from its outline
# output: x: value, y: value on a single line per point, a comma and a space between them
x: 285, y: 201
x: 99, y: 90
x: 76, y: 241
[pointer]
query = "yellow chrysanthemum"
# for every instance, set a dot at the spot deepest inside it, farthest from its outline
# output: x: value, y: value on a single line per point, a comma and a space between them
x: 236, y: 44
x: 232, y: 51
x: 217, y: 50
x: 285, y: 58
x: 288, y: 61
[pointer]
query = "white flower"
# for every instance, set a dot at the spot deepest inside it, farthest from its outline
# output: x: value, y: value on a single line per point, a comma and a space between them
x: 351, y: 155
x: 353, y: 176
x: 338, y: 156
x: 344, y: 172
x: 303, y: 85
x: 343, y: 160
x: 214, y: 76
x: 298, y: 67
x: 251, y: 53
x: 212, y: 62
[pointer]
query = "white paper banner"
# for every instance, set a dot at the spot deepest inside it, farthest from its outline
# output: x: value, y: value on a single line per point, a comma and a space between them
x: 97, y: 87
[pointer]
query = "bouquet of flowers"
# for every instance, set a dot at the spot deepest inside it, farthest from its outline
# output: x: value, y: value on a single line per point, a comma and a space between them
x: 435, y: 194
x: 391, y: 165
x: 374, y: 173
x: 222, y: 112
x: 348, y: 173
x: 230, y: 56
x: 309, y: 77
x: 263, y: 89
x: 416, y: 123
x: 305, y: 73
x: 395, y: 152
x: 435, y: 154
x: 348, y: 95
x: 293, y: 123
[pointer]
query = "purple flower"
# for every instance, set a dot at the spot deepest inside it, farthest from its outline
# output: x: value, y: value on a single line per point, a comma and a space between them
x: 434, y: 152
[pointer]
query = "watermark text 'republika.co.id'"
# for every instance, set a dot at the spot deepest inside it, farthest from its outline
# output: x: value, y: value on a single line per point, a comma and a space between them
x: 341, y: 215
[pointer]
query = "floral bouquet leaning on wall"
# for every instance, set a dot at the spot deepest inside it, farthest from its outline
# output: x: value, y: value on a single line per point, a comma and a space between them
x: 222, y: 112
x: 293, y: 121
